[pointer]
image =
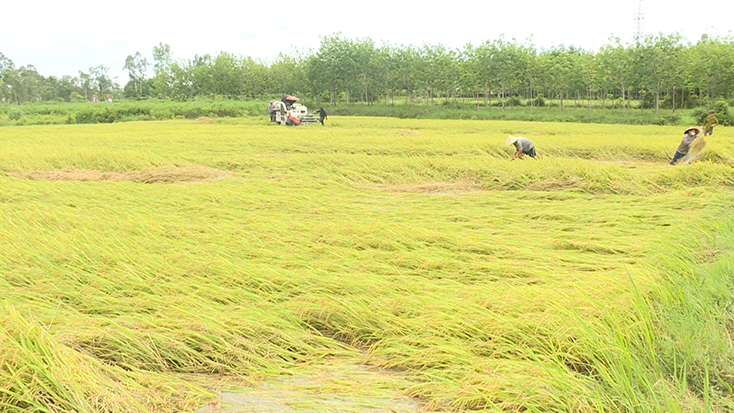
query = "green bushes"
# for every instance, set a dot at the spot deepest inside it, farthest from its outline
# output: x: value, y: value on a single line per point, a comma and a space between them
x: 15, y: 114
x: 542, y: 110
x: 61, y: 113
x: 94, y: 115
x: 721, y: 111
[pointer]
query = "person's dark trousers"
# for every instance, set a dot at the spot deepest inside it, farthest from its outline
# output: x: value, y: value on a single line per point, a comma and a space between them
x: 677, y: 156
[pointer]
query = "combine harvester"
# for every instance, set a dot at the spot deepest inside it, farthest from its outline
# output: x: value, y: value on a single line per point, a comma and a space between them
x: 288, y: 112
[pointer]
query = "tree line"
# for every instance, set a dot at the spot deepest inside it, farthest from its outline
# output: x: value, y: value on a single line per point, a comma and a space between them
x: 659, y: 71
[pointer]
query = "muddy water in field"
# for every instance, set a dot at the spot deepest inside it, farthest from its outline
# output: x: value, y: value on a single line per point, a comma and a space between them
x: 337, y: 388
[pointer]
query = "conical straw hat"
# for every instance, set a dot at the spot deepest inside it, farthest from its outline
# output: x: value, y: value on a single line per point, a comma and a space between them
x: 511, y: 139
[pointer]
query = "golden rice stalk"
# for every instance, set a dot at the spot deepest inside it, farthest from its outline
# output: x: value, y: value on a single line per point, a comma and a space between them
x: 696, y: 148
x: 204, y: 120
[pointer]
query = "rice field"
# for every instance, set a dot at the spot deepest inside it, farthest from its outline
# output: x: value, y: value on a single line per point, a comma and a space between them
x: 372, y: 264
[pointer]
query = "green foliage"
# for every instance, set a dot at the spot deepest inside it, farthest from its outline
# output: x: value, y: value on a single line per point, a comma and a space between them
x: 524, y: 112
x: 356, y: 70
x: 96, y: 115
x: 692, y: 101
x: 721, y: 111
x: 153, y: 109
x: 508, y: 101
x: 700, y: 114
x: 137, y: 110
x: 673, y: 119
x: 15, y: 114
x: 75, y: 97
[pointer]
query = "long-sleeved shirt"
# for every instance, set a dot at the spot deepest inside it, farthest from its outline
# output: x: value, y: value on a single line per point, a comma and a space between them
x: 523, y: 144
x: 708, y: 124
x: 685, y: 144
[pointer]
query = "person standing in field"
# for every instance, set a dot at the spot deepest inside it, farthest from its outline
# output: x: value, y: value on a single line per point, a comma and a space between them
x: 523, y: 146
x: 271, y: 111
x: 322, y: 114
x: 709, y: 123
x: 685, y: 145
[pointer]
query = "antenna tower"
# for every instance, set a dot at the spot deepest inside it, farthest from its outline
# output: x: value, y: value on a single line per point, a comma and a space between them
x: 638, y: 21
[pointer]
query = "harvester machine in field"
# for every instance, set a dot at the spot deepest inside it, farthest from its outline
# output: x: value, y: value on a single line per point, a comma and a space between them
x: 289, y: 112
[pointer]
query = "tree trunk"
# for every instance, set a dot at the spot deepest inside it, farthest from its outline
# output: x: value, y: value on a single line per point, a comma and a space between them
x: 682, y: 96
x: 673, y: 99
x: 512, y: 96
x: 642, y: 103
x: 560, y: 101
x: 531, y: 91
x: 624, y: 103
x: 503, y: 95
x: 589, y: 99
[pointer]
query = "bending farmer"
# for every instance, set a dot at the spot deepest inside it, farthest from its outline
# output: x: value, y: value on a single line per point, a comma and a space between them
x: 523, y: 146
x: 688, y: 137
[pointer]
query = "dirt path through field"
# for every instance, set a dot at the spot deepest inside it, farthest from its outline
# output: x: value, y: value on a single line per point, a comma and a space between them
x: 164, y: 174
x: 333, y: 387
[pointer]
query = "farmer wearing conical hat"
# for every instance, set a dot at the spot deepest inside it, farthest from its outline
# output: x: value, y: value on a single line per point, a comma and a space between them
x: 523, y: 146
x: 688, y: 137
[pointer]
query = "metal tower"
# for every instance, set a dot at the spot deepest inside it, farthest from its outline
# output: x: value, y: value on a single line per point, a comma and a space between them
x: 638, y: 20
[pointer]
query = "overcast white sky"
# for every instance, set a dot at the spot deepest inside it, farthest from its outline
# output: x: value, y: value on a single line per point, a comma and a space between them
x: 63, y: 37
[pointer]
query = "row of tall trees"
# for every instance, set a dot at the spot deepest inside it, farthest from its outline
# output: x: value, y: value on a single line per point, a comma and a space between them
x: 24, y: 84
x: 660, y: 71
